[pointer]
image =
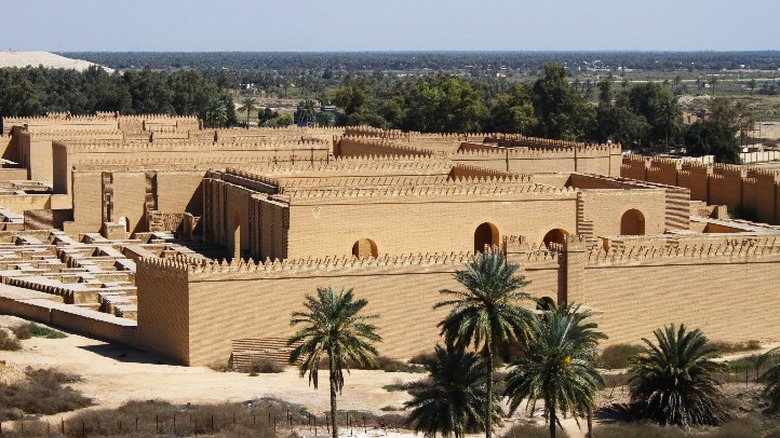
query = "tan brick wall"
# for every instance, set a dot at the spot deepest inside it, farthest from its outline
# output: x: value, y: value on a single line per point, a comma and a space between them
x: 606, y: 208
x: 180, y: 191
x: 727, y: 298
x: 164, y: 312
x: 87, y: 195
x: 19, y: 203
x: 129, y: 195
x: 430, y: 224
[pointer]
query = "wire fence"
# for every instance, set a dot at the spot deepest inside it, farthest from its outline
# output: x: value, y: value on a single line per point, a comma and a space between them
x: 250, y: 423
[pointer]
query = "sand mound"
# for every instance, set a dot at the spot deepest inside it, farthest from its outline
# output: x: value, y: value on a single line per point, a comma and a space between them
x: 46, y: 59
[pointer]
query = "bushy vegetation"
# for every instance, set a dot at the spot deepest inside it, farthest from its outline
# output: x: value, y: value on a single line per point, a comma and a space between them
x: 32, y: 330
x: 44, y: 391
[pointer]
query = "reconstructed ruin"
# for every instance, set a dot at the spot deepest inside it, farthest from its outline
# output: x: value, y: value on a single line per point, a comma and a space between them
x: 198, y: 244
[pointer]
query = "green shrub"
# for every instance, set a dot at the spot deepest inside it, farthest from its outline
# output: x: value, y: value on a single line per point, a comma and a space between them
x: 8, y: 343
x: 618, y: 355
x: 30, y: 330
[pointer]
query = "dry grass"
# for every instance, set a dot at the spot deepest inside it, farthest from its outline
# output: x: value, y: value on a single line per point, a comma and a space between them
x: 265, y: 366
x: 532, y: 431
x: 41, y: 393
x: 618, y: 356
x: 9, y: 343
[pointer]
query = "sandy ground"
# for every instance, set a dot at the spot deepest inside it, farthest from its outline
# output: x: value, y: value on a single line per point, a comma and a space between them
x: 114, y: 374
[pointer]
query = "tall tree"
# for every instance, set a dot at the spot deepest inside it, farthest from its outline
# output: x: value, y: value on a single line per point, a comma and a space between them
x: 334, y: 327
x: 488, y: 313
x: 557, y: 366
x: 442, y: 103
x: 561, y: 111
x: 674, y: 383
x: 451, y: 400
x: 512, y: 112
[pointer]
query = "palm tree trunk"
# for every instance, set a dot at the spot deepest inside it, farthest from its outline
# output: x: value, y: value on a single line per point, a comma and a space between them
x: 590, y: 422
x: 332, y: 396
x: 489, y: 389
x: 552, y: 421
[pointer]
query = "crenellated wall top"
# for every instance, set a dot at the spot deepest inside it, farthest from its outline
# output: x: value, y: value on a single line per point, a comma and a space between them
x: 327, y: 266
x: 729, y: 247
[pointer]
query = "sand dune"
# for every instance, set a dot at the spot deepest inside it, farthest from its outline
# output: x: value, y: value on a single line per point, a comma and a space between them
x: 10, y: 58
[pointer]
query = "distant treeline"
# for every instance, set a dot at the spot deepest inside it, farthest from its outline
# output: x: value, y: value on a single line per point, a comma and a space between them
x: 532, y: 62
x: 35, y: 91
x: 644, y: 117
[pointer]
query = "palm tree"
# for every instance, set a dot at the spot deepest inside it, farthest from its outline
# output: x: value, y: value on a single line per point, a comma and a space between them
x: 215, y: 114
x: 451, y: 400
x: 771, y: 378
x: 674, y: 381
x: 307, y: 111
x: 487, y: 313
x: 669, y: 117
x: 557, y: 366
x: 333, y: 327
x: 248, y: 104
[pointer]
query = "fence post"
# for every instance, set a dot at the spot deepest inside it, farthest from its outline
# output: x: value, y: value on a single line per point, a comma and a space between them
x: 62, y: 425
x: 174, y: 423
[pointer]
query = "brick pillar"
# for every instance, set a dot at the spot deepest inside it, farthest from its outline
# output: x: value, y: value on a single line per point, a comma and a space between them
x: 572, y: 288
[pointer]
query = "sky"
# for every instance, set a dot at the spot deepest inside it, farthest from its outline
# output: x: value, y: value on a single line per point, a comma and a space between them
x: 394, y: 25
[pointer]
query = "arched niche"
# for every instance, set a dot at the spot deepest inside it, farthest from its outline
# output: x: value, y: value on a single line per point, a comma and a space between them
x: 632, y: 223
x: 486, y: 234
x: 364, y: 248
x: 556, y: 235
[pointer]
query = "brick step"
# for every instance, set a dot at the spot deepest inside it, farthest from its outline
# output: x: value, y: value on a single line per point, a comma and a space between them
x: 243, y: 361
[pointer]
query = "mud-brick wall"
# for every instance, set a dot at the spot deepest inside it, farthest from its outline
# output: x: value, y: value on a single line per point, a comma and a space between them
x: 87, y: 201
x: 164, y: 312
x: 607, y: 207
x: 321, y: 227
x: 730, y: 298
x: 180, y: 191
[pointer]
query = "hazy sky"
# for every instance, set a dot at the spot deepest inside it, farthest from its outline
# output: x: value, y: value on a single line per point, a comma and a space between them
x: 353, y: 25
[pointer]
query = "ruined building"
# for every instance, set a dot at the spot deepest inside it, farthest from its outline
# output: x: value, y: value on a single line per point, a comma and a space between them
x: 198, y: 244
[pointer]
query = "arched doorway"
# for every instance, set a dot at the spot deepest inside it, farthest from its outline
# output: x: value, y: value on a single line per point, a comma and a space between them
x: 364, y: 248
x: 545, y: 303
x: 556, y: 235
x: 486, y: 234
x: 632, y: 223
